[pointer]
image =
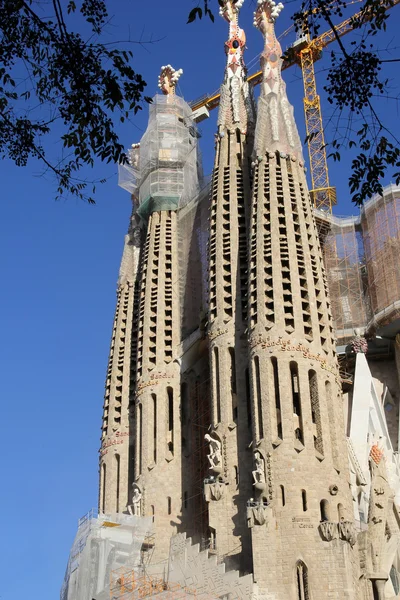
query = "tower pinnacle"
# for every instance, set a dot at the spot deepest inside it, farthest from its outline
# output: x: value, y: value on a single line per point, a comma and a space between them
x: 276, y: 128
x: 236, y: 109
x: 168, y: 79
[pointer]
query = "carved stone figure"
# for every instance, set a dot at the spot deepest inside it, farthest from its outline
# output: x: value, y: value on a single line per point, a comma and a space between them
x: 214, y: 456
x: 135, y: 507
x: 259, y: 471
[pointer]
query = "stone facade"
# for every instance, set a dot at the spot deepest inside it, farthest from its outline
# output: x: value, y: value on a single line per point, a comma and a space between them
x: 234, y: 432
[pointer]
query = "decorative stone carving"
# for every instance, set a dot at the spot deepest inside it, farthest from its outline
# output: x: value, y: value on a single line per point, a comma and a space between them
x: 215, y: 455
x: 259, y: 472
x: 329, y: 531
x: 333, y: 490
x: 136, y: 503
x: 213, y: 489
x: 257, y: 513
x: 348, y: 532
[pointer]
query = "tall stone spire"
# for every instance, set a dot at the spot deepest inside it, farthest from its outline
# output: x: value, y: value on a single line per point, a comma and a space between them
x: 301, y: 491
x: 226, y: 490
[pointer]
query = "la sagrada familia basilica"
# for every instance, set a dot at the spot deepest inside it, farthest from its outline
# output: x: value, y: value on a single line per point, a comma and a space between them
x: 235, y: 456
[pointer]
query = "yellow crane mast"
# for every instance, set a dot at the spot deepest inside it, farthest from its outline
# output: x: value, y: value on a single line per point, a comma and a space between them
x: 306, y: 52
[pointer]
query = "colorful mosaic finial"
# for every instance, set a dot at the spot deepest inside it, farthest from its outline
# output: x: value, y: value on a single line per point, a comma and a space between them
x: 168, y: 79
x: 236, y: 107
x: 267, y: 11
x: 229, y: 9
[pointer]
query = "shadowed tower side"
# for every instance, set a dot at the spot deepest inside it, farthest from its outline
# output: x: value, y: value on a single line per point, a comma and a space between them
x: 229, y: 484
x: 301, y: 514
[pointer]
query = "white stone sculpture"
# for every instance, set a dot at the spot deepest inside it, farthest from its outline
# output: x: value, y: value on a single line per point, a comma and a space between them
x: 259, y: 471
x: 214, y: 456
x: 135, y: 507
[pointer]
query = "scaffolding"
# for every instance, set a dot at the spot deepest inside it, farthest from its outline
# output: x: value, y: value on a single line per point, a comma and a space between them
x: 167, y: 173
x: 380, y: 222
x: 343, y: 255
x: 126, y: 585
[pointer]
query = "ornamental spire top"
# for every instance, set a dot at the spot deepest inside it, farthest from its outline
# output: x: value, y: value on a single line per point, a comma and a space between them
x: 168, y: 79
x: 236, y: 109
x: 229, y: 9
x: 276, y: 128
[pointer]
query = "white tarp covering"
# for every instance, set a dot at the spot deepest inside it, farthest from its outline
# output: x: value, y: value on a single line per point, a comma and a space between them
x: 102, y: 545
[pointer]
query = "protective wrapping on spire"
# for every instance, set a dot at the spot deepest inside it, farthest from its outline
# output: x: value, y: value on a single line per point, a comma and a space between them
x: 276, y: 128
x: 236, y: 108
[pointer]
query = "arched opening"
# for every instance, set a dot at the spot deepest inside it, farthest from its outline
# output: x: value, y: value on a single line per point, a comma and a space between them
x: 341, y: 512
x: 118, y: 474
x: 103, y: 489
x: 248, y: 402
x: 258, y: 398
x: 302, y: 581
x: 170, y: 440
x: 283, y: 499
x: 277, y: 398
x: 233, y: 384
x: 297, y: 414
x: 217, y: 386
x: 304, y: 500
x: 140, y: 465
x: 315, y: 411
x: 154, y: 398
x: 324, y: 510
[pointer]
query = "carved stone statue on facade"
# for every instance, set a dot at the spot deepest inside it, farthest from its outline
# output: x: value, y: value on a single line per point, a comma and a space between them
x: 214, y: 456
x: 134, y: 508
x: 259, y: 471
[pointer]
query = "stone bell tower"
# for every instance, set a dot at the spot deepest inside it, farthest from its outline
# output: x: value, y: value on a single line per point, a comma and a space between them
x: 228, y: 484
x: 301, y: 513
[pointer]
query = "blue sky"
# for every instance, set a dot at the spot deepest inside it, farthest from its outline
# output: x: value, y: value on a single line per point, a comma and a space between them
x: 59, y: 266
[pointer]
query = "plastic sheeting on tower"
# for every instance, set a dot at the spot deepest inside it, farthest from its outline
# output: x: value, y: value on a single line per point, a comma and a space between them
x: 102, y: 545
x: 168, y: 172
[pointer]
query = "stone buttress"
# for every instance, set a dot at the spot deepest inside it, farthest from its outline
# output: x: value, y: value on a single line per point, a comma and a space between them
x: 229, y: 482
x: 300, y: 512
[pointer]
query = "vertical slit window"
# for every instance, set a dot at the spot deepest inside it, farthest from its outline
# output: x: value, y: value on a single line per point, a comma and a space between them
x: 304, y: 500
x: 258, y: 398
x: 170, y: 396
x: 248, y: 403
x: 103, y: 491
x: 169, y: 505
x: 118, y: 470
x: 324, y: 509
x: 154, y: 398
x: 297, y: 416
x: 278, y: 413
x: 140, y: 438
x: 283, y: 499
x: 233, y: 384
x: 302, y: 581
x: 315, y: 411
x: 217, y: 385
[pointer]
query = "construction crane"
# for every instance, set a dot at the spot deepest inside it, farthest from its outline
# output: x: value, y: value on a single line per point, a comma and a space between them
x: 306, y: 52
